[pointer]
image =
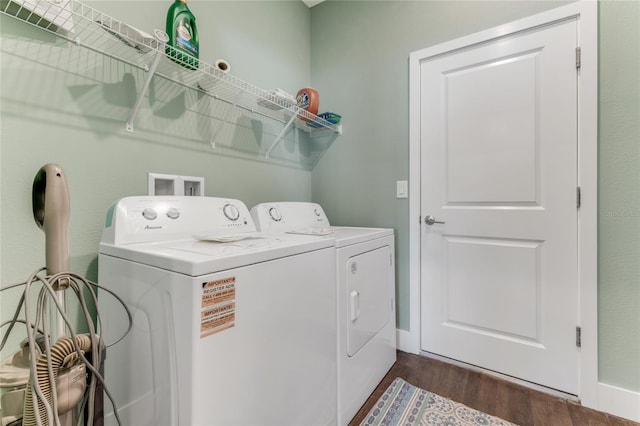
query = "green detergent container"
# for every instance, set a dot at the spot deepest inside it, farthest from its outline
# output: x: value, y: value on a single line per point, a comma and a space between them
x: 183, y: 35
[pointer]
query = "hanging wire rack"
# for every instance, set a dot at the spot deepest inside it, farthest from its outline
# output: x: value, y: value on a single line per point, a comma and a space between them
x: 97, y: 31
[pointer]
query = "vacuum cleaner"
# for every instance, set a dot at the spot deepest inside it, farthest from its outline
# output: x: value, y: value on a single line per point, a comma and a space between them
x: 55, y: 376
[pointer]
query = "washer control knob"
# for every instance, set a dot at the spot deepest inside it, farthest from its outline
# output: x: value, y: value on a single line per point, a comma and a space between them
x: 317, y: 212
x: 173, y: 213
x: 275, y: 214
x: 149, y: 213
x: 231, y: 212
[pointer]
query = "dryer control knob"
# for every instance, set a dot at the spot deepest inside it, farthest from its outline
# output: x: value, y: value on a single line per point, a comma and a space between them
x: 275, y: 214
x: 149, y: 213
x: 173, y: 213
x: 317, y: 212
x: 231, y: 212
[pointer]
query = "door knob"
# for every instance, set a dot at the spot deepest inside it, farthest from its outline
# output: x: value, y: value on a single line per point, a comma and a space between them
x: 430, y: 220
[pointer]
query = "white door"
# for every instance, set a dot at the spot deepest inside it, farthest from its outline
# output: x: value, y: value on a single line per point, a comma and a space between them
x: 499, y: 285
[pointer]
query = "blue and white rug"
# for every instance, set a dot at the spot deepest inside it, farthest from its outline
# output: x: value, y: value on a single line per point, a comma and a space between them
x: 404, y: 404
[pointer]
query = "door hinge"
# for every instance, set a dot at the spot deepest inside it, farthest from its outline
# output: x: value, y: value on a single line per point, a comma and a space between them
x: 578, y: 197
x: 420, y: 220
x: 578, y: 58
x: 578, y: 337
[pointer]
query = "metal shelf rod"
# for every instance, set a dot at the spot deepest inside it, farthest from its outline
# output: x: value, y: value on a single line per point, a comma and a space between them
x: 145, y: 87
x: 279, y: 137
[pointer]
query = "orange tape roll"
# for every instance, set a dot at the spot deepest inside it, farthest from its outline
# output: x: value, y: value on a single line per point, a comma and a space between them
x: 308, y: 100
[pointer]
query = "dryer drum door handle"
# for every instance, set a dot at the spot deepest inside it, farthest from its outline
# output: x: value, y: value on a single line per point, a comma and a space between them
x: 354, y: 305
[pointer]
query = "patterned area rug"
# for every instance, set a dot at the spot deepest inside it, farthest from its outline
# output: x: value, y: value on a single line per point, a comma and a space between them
x: 404, y: 404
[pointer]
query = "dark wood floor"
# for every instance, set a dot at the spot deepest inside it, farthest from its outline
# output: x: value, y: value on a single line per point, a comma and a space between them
x: 494, y: 396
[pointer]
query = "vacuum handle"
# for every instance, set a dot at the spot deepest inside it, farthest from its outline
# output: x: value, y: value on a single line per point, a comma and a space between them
x: 51, y: 210
x: 56, y: 220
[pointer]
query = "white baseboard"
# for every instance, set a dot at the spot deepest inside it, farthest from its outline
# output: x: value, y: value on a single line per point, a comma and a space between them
x: 619, y: 402
x: 407, y: 342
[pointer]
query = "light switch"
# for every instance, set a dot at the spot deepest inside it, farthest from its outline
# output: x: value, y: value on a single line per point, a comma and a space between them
x: 402, y: 189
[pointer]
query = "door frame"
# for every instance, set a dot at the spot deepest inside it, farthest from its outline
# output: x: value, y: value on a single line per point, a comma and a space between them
x: 585, y: 13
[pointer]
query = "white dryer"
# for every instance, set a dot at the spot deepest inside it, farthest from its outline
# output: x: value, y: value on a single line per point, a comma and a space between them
x: 365, y: 273
x: 230, y: 327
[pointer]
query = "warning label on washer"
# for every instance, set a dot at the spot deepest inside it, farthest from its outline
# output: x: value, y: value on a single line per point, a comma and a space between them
x: 218, y: 306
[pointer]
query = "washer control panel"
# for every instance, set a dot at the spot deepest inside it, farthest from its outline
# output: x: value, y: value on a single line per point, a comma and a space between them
x: 156, y: 218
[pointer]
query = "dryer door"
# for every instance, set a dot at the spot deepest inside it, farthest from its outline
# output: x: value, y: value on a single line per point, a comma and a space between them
x: 368, y: 278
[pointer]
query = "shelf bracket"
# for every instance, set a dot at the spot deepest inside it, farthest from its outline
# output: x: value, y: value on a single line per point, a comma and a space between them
x: 162, y: 37
x: 145, y: 87
x: 231, y: 106
x: 284, y: 130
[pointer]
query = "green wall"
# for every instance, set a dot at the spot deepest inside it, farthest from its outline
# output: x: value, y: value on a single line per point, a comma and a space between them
x: 359, y: 62
x: 619, y: 194
x: 65, y: 104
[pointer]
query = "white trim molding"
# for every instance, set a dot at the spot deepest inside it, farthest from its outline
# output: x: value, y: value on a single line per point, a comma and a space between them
x: 619, y: 402
x: 588, y: 213
x: 585, y: 14
x: 405, y: 342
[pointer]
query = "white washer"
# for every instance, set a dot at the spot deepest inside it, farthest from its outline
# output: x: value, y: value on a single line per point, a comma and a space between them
x: 237, y: 332
x: 365, y: 275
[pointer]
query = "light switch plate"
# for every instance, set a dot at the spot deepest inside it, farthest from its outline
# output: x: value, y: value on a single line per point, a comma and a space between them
x: 402, y: 189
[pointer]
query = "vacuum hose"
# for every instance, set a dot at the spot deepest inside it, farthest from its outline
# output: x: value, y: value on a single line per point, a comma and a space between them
x: 63, y: 353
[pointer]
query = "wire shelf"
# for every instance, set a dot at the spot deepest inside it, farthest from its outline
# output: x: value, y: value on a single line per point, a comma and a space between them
x: 94, y: 30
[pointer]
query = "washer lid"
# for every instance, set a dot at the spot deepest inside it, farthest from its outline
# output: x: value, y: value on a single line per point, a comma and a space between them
x: 196, y: 257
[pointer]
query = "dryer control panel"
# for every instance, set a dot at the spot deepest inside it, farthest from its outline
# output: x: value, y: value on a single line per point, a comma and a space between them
x: 159, y: 218
x: 289, y: 216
